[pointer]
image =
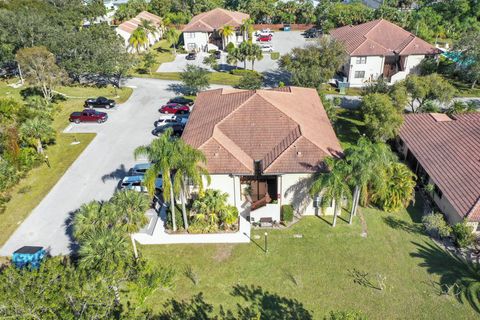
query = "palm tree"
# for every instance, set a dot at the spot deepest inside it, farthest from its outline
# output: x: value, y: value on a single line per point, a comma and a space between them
x: 130, y: 207
x: 211, y: 205
x: 149, y: 28
x: 138, y: 39
x: 247, y: 29
x: 36, y: 130
x: 190, y: 166
x: 232, y: 57
x: 226, y: 32
x: 163, y: 154
x: 332, y: 185
x: 91, y: 217
x: 242, y: 53
x: 172, y: 35
x: 368, y: 162
x: 255, y: 53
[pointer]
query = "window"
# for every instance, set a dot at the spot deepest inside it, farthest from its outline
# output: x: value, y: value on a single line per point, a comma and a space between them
x: 359, y: 74
x: 191, y: 35
x: 438, y: 192
x: 361, y: 60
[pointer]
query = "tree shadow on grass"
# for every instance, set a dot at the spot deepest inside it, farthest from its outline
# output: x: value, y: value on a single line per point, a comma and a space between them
x: 400, y: 224
x: 453, y: 271
x: 348, y: 126
x: 272, y: 78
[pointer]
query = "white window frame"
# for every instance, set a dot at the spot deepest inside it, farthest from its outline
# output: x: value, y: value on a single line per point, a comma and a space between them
x: 359, y: 72
x: 361, y: 60
x: 191, y: 35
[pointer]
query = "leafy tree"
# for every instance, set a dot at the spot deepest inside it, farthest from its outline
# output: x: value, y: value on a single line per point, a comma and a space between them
x: 211, y: 61
x: 460, y: 107
x: 195, y: 79
x: 336, y: 14
x: 399, y: 188
x: 172, y: 35
x: 149, y: 60
x: 382, y: 119
x: 427, y: 88
x: 163, y: 154
x: 138, y: 39
x: 226, y: 32
x: 315, y: 64
x: 250, y: 81
x: 160, y: 7
x: 130, y: 9
x: 190, y: 166
x: 463, y: 234
x: 39, y: 68
x: 469, y: 46
x: 333, y: 185
x: 37, y: 131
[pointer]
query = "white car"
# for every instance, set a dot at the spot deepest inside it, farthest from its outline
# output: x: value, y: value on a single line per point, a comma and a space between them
x: 263, y: 32
x: 266, y: 47
x: 135, y: 183
x: 165, y: 119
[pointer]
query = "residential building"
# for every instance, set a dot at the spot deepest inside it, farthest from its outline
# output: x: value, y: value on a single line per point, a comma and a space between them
x: 263, y: 146
x: 445, y: 152
x: 202, y: 33
x: 380, y: 48
x: 126, y: 28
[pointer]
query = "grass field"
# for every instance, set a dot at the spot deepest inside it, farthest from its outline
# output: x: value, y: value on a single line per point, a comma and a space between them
x: 319, y: 270
x: 28, y: 193
x: 214, y: 77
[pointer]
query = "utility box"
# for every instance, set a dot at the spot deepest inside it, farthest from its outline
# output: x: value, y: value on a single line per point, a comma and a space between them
x: 29, y: 256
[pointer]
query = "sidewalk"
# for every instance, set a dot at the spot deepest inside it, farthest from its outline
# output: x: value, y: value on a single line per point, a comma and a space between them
x: 159, y: 236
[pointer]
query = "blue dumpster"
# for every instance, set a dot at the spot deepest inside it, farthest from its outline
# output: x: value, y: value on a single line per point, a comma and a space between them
x: 28, y: 256
x: 286, y: 27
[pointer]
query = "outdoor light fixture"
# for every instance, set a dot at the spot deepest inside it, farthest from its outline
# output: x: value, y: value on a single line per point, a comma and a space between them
x: 266, y: 242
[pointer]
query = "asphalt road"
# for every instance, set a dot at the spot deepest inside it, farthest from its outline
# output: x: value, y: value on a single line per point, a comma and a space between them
x: 96, y: 172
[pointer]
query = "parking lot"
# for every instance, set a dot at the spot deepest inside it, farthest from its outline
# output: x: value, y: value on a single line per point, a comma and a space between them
x: 282, y: 42
x: 97, y: 171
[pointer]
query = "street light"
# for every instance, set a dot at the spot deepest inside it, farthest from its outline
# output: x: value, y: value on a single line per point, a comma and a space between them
x: 266, y: 242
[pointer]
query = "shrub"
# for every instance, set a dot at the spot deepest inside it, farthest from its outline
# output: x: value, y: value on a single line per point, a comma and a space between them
x: 345, y: 315
x: 287, y: 213
x: 250, y: 81
x: 463, y: 234
x: 194, y: 79
x: 435, y: 224
x: 178, y: 218
x: 241, y: 72
x: 230, y: 47
x: 275, y: 55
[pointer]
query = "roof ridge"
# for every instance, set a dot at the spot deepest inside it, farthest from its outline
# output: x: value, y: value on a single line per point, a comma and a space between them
x: 274, y: 153
x: 232, y: 148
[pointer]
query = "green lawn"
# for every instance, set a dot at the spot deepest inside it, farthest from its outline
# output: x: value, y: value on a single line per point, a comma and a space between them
x: 317, y: 270
x: 163, y: 53
x: 222, y: 78
x: 348, y: 126
x: 28, y: 193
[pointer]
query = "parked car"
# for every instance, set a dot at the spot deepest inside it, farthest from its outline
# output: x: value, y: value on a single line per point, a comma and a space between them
x: 135, y: 183
x: 140, y: 168
x: 312, y: 33
x: 181, y: 100
x: 191, y: 56
x: 177, y: 129
x: 88, y: 115
x: 264, y: 31
x: 100, y: 102
x: 264, y: 38
x: 266, y: 47
x: 287, y: 27
x: 166, y: 119
x: 174, y: 108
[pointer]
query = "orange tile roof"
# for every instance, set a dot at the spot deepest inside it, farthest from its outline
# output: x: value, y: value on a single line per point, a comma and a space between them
x: 286, y: 129
x: 382, y: 38
x: 449, y: 151
x: 132, y: 24
x: 215, y: 19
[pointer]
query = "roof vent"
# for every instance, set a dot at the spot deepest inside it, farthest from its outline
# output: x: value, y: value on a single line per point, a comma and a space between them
x: 299, y: 153
x: 215, y: 154
x: 440, y: 117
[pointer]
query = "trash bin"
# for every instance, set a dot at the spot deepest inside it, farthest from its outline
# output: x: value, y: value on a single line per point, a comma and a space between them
x: 286, y: 27
x: 342, y: 87
x: 28, y: 256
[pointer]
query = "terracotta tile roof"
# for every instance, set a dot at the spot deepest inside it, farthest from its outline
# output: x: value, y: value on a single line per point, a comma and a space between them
x: 449, y: 151
x: 132, y: 24
x: 382, y: 38
x: 287, y: 130
x: 215, y: 19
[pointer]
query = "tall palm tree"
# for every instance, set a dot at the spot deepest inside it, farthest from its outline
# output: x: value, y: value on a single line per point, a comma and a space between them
x: 242, y: 53
x: 255, y: 53
x: 368, y: 162
x: 36, y: 130
x: 173, y: 35
x: 247, y: 29
x: 226, y: 32
x: 138, y: 39
x: 90, y: 217
x: 332, y: 185
x: 190, y: 166
x: 130, y: 207
x: 149, y: 28
x: 163, y: 154
x: 232, y: 57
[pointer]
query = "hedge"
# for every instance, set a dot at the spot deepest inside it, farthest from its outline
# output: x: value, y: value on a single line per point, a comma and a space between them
x: 275, y: 55
x: 241, y: 72
x: 287, y: 213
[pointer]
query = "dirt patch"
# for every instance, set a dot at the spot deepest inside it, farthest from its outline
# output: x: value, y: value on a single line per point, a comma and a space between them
x: 223, y: 252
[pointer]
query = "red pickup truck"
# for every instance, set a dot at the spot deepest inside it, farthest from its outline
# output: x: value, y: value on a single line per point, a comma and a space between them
x: 88, y: 115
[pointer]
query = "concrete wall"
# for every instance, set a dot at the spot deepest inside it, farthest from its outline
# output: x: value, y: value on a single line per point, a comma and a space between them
x: 271, y: 210
x: 412, y: 62
x: 373, y: 70
x: 195, y: 41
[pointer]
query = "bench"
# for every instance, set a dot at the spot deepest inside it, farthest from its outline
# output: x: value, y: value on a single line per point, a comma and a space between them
x: 266, y: 222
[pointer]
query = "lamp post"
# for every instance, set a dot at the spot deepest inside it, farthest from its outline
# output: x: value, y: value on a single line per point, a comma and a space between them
x: 266, y: 242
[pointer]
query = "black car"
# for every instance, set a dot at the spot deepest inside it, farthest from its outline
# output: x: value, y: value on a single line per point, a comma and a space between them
x: 100, y: 102
x: 177, y: 129
x: 181, y: 100
x: 218, y: 54
x: 191, y: 56
x: 312, y: 33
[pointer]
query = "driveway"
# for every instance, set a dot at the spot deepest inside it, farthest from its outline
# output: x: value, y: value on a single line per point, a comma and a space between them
x: 96, y: 173
x: 282, y: 42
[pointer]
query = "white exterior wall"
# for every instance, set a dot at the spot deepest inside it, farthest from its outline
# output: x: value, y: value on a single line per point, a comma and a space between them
x: 301, y: 200
x: 195, y: 40
x: 373, y: 69
x: 270, y: 210
x: 412, y: 63
x: 125, y: 36
x: 152, y: 39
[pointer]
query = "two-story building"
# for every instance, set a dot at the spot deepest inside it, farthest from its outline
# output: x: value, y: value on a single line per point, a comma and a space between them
x: 126, y: 29
x: 380, y: 48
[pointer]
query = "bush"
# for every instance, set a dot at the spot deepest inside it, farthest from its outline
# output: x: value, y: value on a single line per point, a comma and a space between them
x: 275, y: 55
x: 345, y: 315
x: 435, y: 224
x: 178, y: 219
x: 241, y: 72
x: 230, y: 47
x: 463, y: 234
x: 194, y: 79
x: 250, y: 81
x: 287, y: 213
